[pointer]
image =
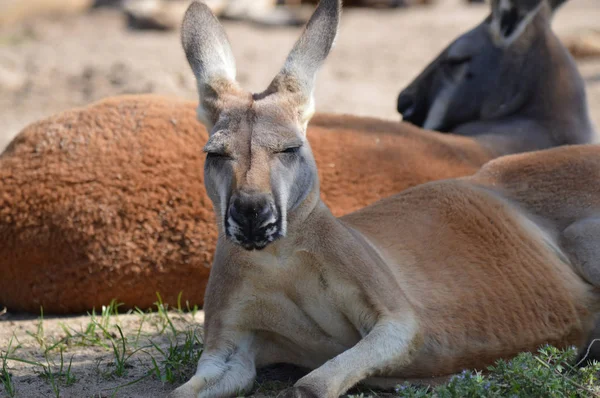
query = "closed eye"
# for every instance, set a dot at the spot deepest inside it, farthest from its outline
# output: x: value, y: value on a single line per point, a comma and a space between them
x: 293, y: 149
x: 218, y: 156
x: 456, y: 61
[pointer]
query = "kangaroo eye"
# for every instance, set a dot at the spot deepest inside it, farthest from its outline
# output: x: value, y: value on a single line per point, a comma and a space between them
x: 293, y: 149
x: 218, y: 156
x: 456, y: 61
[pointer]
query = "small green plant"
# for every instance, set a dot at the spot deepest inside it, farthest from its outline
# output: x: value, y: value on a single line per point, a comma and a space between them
x: 120, y: 351
x: 550, y: 373
x: 143, y: 318
x: 64, y: 373
x: 178, y: 358
x: 193, y: 310
x: 51, y: 377
x: 7, y: 382
x: 5, y: 376
x: 69, y: 378
x: 163, y: 312
x: 108, y: 312
x: 39, y: 333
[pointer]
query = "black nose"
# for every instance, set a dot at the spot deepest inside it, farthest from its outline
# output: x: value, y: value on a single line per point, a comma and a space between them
x: 406, y: 105
x: 252, y: 220
x: 250, y: 213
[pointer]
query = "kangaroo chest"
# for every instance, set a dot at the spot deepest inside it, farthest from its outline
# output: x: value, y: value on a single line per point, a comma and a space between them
x: 299, y: 306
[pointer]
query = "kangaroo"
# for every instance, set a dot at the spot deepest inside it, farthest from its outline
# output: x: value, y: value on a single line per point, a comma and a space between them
x: 444, y: 276
x: 492, y: 84
x: 164, y: 241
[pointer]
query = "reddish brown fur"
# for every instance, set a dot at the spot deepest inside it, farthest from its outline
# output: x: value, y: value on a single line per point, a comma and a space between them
x: 470, y: 270
x: 108, y: 201
x: 519, y: 177
x: 468, y: 247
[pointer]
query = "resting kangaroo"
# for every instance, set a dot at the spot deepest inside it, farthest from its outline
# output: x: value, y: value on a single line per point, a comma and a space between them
x: 443, y: 276
x: 88, y: 221
x: 493, y: 84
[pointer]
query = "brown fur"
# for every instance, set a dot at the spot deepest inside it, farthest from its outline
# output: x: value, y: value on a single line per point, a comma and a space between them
x: 466, y: 271
x: 117, y: 208
x: 108, y: 201
x: 442, y: 276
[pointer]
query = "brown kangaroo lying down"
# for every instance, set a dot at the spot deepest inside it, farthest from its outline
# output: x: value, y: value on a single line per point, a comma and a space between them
x: 446, y: 275
x: 108, y: 202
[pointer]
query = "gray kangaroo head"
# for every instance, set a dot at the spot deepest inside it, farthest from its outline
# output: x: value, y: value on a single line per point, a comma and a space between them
x: 259, y: 167
x: 490, y: 72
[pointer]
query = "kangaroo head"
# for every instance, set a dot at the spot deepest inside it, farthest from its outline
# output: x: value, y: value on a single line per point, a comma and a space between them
x: 259, y: 167
x: 488, y: 72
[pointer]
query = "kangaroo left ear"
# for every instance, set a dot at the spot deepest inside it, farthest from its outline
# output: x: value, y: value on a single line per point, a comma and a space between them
x: 295, y: 82
x: 511, y: 17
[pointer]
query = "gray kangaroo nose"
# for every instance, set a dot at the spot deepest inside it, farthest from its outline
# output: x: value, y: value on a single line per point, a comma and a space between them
x: 406, y: 105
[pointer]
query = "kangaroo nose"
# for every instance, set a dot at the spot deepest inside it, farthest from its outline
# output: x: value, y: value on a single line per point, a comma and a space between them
x: 406, y: 105
x: 251, y: 213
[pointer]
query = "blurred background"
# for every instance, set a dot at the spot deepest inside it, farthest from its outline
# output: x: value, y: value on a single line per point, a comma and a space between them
x: 58, y: 54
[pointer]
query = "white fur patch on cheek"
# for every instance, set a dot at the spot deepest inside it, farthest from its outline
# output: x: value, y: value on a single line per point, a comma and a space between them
x: 283, y: 193
x: 438, y: 111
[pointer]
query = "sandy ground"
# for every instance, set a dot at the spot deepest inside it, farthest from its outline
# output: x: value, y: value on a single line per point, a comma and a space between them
x: 51, y: 65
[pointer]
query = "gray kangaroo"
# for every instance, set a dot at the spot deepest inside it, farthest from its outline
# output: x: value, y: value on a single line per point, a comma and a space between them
x: 509, y: 83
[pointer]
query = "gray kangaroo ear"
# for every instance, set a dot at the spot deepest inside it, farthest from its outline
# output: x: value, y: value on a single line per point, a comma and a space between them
x: 296, y: 80
x: 511, y: 17
x: 209, y: 54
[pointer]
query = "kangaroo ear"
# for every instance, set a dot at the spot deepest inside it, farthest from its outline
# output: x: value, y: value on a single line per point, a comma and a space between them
x: 511, y: 17
x: 209, y: 54
x: 296, y: 80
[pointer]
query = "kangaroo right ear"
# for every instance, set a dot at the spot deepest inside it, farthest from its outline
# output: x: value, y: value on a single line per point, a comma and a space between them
x: 511, y: 17
x: 209, y: 54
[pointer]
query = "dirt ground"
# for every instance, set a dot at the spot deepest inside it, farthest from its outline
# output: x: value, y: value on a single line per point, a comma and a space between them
x: 50, y: 65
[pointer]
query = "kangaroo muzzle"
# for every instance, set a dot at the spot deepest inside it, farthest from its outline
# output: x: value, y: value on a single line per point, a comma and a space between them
x: 252, y: 221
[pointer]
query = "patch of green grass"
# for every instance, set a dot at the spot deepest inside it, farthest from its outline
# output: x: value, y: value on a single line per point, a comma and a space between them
x: 51, y: 377
x: 97, y: 330
x: 178, y: 359
x: 5, y: 376
x: 103, y: 330
x: 143, y: 317
x: 69, y: 378
x: 171, y: 363
x: 38, y: 335
x: 163, y: 312
x: 549, y: 373
x: 120, y: 354
x: 171, y: 352
x: 63, y: 375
